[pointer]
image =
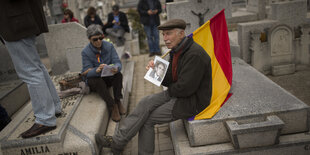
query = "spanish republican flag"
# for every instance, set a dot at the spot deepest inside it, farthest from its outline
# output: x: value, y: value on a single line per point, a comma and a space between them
x: 213, y: 37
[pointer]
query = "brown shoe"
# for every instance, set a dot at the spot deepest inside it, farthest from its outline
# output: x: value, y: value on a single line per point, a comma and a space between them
x: 121, y: 109
x: 115, y: 113
x: 37, y: 129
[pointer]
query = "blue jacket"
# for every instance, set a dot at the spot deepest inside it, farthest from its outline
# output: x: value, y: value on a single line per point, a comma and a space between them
x: 108, y: 56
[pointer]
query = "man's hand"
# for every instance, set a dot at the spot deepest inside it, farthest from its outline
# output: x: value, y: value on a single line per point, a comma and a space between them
x: 150, y: 12
x: 150, y: 65
x: 113, y: 22
x: 114, y: 70
x: 99, y: 69
x: 155, y: 11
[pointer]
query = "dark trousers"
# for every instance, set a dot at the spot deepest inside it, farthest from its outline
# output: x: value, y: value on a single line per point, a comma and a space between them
x: 102, y: 84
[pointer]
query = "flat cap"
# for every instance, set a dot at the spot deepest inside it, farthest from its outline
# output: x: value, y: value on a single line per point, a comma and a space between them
x: 173, y: 23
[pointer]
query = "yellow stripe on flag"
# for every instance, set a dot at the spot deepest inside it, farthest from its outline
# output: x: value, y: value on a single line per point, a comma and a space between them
x: 220, y: 84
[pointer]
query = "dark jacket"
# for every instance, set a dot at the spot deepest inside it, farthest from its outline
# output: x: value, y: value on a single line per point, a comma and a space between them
x: 193, y: 88
x: 107, y: 56
x: 88, y: 21
x: 122, y: 18
x: 143, y: 7
x: 21, y: 18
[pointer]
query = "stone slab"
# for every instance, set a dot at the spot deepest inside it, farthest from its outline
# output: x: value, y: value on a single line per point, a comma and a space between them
x: 292, y: 13
x: 135, y: 48
x: 283, y: 69
x: 288, y: 144
x: 254, y: 98
x: 61, y: 39
x: 250, y: 134
x: 13, y: 95
x: 74, y: 133
x: 7, y: 70
x: 244, y: 30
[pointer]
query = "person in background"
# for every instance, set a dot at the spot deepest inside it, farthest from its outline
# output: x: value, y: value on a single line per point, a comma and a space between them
x: 69, y: 17
x: 92, y: 18
x: 95, y: 56
x: 189, y: 92
x: 149, y: 11
x: 19, y: 33
x: 117, y: 25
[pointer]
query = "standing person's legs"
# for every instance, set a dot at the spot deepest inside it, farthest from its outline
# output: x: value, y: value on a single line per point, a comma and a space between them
x: 52, y: 90
x: 27, y: 65
x: 155, y: 34
x: 160, y: 115
x: 149, y: 36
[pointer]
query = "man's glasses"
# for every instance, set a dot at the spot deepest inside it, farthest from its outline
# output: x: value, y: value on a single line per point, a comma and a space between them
x: 96, y: 39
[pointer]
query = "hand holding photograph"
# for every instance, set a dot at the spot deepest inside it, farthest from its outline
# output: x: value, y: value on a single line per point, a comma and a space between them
x: 156, y: 75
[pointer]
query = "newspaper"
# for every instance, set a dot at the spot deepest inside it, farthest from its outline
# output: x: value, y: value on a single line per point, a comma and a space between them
x: 107, y: 70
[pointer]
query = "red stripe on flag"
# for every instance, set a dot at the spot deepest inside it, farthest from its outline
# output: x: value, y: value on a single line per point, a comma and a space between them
x: 219, y: 32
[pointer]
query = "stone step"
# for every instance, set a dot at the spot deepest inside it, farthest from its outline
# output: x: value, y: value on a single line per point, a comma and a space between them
x: 84, y: 116
x: 13, y: 95
x: 298, y: 143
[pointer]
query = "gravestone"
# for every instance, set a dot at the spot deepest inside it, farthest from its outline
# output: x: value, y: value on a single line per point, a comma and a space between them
x: 260, y: 119
x: 292, y: 13
x: 257, y: 6
x: 65, y: 43
x: 279, y: 44
x: 196, y: 12
x: 281, y: 41
x: 7, y: 70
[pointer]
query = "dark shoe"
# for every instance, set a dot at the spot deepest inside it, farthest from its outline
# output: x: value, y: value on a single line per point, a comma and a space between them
x: 151, y: 54
x: 37, y: 129
x: 103, y: 141
x: 59, y: 114
x: 115, y: 113
x: 158, y: 53
x: 121, y: 109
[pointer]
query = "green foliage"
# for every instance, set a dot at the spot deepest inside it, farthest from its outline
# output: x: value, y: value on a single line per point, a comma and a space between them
x: 134, y: 18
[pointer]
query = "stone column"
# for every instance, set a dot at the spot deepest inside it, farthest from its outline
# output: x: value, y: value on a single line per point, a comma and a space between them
x: 261, y: 14
x: 305, y: 43
x: 73, y: 5
x: 255, y: 48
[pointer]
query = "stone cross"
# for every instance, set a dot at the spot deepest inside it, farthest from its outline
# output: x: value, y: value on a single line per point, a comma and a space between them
x: 200, y: 16
x: 203, y: 9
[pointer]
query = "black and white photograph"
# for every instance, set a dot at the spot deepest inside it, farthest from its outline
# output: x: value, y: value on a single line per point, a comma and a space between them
x: 157, y: 74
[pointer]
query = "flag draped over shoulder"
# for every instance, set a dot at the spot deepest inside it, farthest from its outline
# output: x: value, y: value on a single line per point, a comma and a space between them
x: 213, y: 37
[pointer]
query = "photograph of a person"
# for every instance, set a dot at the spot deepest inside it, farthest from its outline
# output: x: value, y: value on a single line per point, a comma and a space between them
x: 156, y: 75
x: 158, y: 71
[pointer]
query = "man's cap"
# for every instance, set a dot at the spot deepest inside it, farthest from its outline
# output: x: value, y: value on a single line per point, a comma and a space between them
x: 173, y: 23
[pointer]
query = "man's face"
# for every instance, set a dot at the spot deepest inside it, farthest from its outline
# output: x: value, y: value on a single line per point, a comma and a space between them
x: 172, y: 37
x: 96, y: 40
x: 160, y: 69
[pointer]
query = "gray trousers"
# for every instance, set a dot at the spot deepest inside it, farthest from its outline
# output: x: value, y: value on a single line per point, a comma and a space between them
x: 28, y: 66
x: 151, y: 110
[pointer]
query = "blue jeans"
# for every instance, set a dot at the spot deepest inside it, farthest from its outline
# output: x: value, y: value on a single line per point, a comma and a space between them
x: 29, y: 68
x: 152, y: 37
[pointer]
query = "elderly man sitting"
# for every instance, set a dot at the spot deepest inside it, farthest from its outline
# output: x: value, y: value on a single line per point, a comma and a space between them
x: 189, y: 83
x: 95, y: 56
